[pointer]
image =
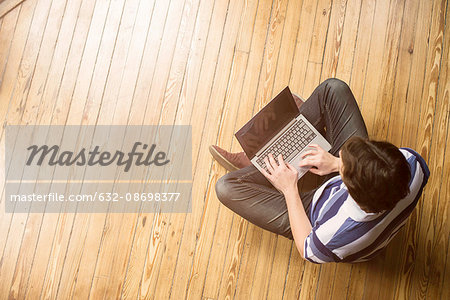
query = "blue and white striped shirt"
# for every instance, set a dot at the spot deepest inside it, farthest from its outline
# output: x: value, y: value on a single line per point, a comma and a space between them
x: 343, y: 232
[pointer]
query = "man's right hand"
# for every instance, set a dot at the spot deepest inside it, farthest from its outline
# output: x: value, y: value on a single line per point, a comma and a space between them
x: 319, y: 161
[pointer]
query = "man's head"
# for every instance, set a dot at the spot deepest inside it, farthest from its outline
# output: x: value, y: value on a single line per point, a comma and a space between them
x: 376, y: 173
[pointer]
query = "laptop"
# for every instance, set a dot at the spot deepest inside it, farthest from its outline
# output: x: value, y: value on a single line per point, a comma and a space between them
x: 279, y: 128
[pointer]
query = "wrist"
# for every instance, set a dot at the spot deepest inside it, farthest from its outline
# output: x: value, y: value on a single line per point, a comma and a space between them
x: 337, y: 162
x: 290, y: 192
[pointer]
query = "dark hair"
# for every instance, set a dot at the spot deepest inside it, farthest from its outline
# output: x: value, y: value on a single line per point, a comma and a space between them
x: 376, y: 173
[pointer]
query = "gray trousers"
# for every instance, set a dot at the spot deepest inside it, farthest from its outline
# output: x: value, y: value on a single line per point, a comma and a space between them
x: 333, y: 111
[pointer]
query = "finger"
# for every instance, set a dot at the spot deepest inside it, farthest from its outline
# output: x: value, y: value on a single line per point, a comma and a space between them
x: 268, y: 165
x: 272, y: 161
x: 307, y: 165
x: 267, y: 175
x: 302, y: 164
x: 315, y: 171
x: 307, y: 162
x: 309, y: 152
x: 291, y: 167
x: 316, y: 146
x: 281, y: 160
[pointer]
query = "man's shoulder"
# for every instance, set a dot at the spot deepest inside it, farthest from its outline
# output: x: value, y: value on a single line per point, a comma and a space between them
x: 415, y: 160
x: 329, y: 188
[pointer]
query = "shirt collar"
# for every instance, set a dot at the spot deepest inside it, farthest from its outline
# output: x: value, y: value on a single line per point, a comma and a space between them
x: 356, y: 213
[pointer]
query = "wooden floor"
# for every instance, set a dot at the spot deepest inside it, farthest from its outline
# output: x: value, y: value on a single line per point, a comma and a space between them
x: 213, y: 64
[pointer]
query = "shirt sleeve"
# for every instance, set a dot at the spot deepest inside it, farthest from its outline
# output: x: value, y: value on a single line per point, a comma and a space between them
x: 315, y: 251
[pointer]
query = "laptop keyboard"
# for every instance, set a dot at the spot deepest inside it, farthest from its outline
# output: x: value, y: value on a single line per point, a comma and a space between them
x: 290, y: 143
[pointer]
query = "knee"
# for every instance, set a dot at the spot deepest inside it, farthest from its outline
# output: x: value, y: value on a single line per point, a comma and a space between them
x: 336, y: 85
x: 223, y: 188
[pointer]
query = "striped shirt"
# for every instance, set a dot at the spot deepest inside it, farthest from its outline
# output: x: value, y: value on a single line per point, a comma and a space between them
x: 343, y: 232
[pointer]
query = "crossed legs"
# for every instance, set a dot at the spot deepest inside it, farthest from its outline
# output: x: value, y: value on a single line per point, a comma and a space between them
x: 334, y: 112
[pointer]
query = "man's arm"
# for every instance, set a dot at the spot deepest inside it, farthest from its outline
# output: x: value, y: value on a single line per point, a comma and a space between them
x: 284, y: 178
x: 300, y: 224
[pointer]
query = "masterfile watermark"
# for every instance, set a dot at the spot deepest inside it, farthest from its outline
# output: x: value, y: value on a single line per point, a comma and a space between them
x: 38, y: 154
x: 100, y: 168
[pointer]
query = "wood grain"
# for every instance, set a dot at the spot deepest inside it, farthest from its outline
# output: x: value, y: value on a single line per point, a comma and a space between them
x: 7, y: 5
x: 214, y: 64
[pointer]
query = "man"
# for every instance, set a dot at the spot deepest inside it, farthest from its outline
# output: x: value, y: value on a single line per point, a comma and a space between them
x: 370, y: 187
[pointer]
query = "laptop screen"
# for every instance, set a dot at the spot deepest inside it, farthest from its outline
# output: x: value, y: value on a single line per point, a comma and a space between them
x: 267, y: 122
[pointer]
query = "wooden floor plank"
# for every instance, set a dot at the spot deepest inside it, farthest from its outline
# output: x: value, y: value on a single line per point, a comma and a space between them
x: 139, y: 284
x: 219, y: 268
x: 361, y: 57
x: 126, y: 273
x: 73, y: 229
x: 22, y: 89
x: 107, y: 272
x: 347, y: 54
x: 392, y: 49
x: 302, y: 47
x: 257, y: 61
x: 47, y: 102
x: 11, y: 42
x: 190, y: 234
x: 380, y: 117
x: 374, y: 71
x: 386, y: 39
x: 329, y: 68
x: 410, y: 283
x: 284, y: 69
x: 439, y: 189
x: 264, y: 259
x: 7, y: 30
x: 333, y: 42
x: 312, y: 80
x: 214, y: 64
x: 115, y: 37
x: 349, y: 37
x: 108, y: 114
x: 139, y: 94
x: 9, y: 80
x: 364, y: 86
x: 297, y: 81
x: 255, y: 50
x: 317, y: 47
x: 169, y: 108
x: 162, y: 81
x: 431, y: 227
x: 405, y: 67
x: 441, y: 287
x: 63, y: 102
x: 221, y: 82
x: 183, y: 114
x: 8, y: 5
